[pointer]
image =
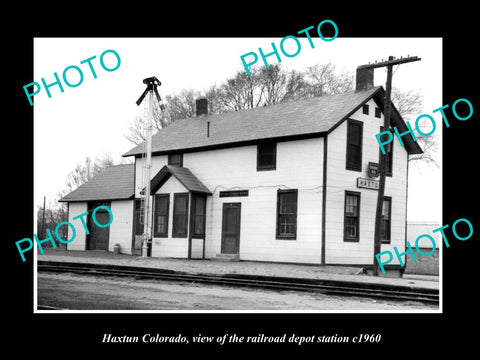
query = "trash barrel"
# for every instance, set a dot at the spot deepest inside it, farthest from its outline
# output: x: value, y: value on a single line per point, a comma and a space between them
x: 116, y: 249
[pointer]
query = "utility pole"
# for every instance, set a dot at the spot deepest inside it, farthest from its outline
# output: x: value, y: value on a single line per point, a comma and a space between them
x: 44, y: 232
x: 386, y: 125
x: 152, y: 83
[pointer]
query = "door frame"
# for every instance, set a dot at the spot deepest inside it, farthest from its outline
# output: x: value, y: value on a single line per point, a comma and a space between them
x: 91, y: 206
x: 237, y: 205
x: 136, y: 251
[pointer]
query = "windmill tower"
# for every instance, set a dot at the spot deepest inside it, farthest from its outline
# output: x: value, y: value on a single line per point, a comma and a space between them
x: 152, y: 84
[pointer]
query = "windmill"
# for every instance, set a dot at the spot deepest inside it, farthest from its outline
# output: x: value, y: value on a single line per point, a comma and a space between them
x: 152, y: 84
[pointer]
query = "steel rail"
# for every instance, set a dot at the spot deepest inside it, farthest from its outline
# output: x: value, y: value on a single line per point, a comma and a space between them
x: 292, y: 284
x: 46, y: 307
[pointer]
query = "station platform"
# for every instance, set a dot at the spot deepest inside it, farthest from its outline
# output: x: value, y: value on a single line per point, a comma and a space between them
x: 215, y: 267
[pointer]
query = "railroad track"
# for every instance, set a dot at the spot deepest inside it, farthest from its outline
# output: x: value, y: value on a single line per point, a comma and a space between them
x: 333, y: 287
x: 46, y: 307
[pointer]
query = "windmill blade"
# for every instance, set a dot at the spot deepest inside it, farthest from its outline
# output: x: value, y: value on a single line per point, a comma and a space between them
x: 140, y: 99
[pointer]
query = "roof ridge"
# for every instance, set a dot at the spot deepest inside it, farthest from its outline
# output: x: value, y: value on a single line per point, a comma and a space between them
x: 314, y: 115
x: 352, y: 92
x: 119, y: 165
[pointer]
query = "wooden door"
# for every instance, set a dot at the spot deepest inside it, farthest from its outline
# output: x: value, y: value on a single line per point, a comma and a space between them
x: 231, y: 228
x: 98, y: 238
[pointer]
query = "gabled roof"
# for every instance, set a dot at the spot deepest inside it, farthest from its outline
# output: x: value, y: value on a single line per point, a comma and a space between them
x: 303, y: 118
x: 184, y: 175
x: 113, y: 183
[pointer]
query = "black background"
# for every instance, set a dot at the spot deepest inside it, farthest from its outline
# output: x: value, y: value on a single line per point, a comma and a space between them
x: 60, y: 335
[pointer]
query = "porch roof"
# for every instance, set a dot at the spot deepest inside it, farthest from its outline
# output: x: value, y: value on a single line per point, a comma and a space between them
x: 182, y: 174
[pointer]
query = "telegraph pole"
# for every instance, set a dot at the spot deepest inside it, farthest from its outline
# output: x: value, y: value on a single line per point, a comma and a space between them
x: 44, y: 232
x: 386, y: 126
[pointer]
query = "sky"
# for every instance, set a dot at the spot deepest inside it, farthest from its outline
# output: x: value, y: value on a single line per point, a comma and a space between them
x: 92, y: 119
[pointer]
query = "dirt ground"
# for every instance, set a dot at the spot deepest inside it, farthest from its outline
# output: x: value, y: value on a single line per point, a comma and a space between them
x: 328, y: 272
x: 78, y: 292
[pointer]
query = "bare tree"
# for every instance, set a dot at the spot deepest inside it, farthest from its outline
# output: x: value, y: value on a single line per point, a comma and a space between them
x: 214, y: 96
x: 179, y: 106
x: 56, y: 212
x: 54, y: 215
x: 84, y: 172
x: 296, y: 87
x: 136, y: 130
x: 240, y: 92
x: 137, y: 127
x: 273, y: 82
x: 409, y: 104
x: 273, y: 85
x: 266, y: 86
x: 182, y: 106
x: 322, y: 79
x: 429, y: 145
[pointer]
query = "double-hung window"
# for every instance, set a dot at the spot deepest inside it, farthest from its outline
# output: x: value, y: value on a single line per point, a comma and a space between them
x: 180, y: 215
x: 138, y: 217
x: 160, y: 228
x: 287, y: 214
x: 267, y: 156
x: 351, y: 216
x: 354, y: 145
x: 385, y: 225
x: 199, y: 208
x: 175, y: 159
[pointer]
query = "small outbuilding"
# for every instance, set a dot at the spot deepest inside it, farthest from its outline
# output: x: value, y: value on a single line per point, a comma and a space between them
x: 425, y: 265
x: 114, y: 188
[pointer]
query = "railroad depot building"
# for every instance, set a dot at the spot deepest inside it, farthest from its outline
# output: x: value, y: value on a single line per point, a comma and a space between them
x: 283, y: 183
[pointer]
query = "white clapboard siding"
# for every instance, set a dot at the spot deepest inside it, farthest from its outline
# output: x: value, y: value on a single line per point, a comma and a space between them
x: 158, y: 162
x: 197, y: 249
x: 299, y: 166
x: 120, y: 230
x: 339, y: 180
x: 121, y: 226
x: 80, y: 241
x: 171, y: 246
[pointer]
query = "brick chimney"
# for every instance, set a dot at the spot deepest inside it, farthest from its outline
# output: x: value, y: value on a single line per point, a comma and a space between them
x: 201, y: 106
x: 364, y: 80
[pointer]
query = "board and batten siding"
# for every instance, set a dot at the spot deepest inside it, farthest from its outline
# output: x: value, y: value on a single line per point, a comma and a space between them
x: 339, y: 180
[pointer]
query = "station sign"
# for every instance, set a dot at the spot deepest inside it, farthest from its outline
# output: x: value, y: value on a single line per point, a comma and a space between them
x: 368, y: 183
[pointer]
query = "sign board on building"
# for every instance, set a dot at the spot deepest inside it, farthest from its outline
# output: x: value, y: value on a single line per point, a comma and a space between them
x: 368, y: 183
x: 373, y: 170
x: 233, y: 193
